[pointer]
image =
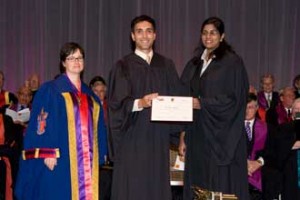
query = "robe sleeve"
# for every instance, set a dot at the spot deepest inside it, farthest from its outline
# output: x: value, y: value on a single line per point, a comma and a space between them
x: 33, y: 140
x: 120, y: 103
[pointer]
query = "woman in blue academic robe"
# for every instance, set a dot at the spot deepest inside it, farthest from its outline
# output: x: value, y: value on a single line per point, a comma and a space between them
x: 65, y: 140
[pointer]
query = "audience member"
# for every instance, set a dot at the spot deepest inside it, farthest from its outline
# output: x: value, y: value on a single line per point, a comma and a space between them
x: 258, y: 134
x: 282, y: 112
x: 267, y: 97
x: 34, y: 84
x: 288, y: 154
x: 98, y: 85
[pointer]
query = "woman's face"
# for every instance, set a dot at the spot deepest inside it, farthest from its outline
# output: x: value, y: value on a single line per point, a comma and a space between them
x: 211, y: 37
x: 74, y: 63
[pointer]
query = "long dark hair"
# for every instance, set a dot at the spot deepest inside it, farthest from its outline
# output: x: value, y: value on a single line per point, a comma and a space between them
x: 222, y: 48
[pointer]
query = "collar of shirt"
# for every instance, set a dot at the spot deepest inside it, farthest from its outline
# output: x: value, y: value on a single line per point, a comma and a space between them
x: 205, y: 62
x: 144, y: 55
x: 287, y: 110
x: 251, y: 124
x: 268, y: 95
x: 21, y: 107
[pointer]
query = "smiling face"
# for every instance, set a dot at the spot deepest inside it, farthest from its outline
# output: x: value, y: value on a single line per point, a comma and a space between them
x: 74, y: 63
x: 144, y: 36
x: 211, y: 37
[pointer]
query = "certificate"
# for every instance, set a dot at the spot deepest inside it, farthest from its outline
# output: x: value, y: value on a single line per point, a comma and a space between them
x: 172, y: 108
x: 22, y: 116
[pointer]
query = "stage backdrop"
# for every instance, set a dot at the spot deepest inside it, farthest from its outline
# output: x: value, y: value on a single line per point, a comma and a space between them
x: 266, y: 33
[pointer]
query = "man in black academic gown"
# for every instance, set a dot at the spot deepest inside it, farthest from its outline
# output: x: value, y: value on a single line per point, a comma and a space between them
x: 140, y: 147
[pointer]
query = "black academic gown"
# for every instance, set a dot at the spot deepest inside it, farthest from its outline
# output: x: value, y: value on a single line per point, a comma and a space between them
x: 140, y: 148
x: 216, y: 141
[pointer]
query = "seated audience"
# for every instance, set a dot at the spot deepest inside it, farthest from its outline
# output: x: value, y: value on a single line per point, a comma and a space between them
x: 288, y: 155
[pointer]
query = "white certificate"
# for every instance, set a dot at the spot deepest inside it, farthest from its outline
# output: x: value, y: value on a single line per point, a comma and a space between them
x: 172, y: 108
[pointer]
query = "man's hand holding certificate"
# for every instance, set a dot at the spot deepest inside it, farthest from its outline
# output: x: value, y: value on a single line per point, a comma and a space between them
x: 172, y: 108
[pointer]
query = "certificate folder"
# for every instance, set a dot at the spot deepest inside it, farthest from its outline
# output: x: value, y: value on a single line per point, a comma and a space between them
x: 172, y: 108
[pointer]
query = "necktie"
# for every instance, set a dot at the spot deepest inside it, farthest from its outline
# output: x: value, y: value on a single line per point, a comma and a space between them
x: 289, y: 114
x: 269, y: 99
x: 248, y: 130
x: 21, y: 107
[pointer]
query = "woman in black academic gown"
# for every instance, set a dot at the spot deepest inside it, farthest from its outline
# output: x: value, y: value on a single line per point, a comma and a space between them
x: 216, y: 140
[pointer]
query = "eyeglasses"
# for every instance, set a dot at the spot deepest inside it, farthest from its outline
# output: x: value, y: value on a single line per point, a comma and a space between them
x: 73, y: 59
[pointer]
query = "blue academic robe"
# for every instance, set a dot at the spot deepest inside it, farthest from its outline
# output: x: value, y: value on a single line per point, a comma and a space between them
x: 51, y: 127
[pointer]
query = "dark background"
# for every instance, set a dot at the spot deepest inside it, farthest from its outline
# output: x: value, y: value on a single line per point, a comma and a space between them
x: 266, y: 33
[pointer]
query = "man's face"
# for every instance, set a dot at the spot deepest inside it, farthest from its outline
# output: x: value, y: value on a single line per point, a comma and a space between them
x: 24, y: 96
x: 251, y: 110
x: 288, y: 98
x: 34, y: 82
x: 143, y: 36
x: 267, y: 85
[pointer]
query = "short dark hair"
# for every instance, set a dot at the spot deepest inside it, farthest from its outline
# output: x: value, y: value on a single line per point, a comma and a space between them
x: 97, y: 79
x: 251, y: 97
x: 142, y: 18
x: 66, y: 50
